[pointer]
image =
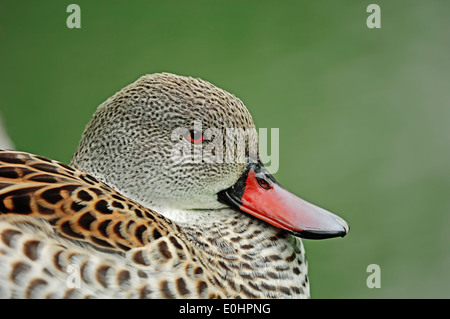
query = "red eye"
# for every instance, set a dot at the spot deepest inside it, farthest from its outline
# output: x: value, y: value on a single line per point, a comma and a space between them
x: 194, y: 136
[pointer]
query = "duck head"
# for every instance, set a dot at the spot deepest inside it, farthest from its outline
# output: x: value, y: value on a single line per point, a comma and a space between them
x: 178, y: 143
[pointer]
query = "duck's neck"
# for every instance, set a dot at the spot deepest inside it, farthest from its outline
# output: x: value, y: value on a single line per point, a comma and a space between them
x: 249, y: 257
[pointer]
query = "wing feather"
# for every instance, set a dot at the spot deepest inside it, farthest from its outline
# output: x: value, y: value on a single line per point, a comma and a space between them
x: 77, y: 205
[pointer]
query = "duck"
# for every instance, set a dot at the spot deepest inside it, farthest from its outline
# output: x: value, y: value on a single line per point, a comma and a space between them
x: 138, y: 214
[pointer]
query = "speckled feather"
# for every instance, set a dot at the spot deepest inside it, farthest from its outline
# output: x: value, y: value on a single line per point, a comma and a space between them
x: 107, y: 226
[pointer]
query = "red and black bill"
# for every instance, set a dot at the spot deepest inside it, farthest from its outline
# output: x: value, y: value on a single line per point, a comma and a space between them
x: 259, y: 194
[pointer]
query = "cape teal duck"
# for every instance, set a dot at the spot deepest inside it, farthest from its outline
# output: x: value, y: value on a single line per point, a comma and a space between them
x: 132, y: 218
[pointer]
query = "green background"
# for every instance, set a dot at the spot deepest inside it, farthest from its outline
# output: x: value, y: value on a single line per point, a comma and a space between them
x: 363, y: 113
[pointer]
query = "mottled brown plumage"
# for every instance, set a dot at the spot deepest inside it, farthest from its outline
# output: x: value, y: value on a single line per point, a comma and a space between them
x: 55, y: 217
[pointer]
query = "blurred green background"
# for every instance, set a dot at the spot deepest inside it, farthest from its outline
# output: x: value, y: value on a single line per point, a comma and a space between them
x: 363, y: 113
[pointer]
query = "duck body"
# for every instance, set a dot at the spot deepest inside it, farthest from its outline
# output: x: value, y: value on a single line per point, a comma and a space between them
x: 126, y: 221
x: 74, y: 237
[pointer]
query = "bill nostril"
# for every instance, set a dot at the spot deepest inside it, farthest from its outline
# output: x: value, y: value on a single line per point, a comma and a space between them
x: 263, y: 183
